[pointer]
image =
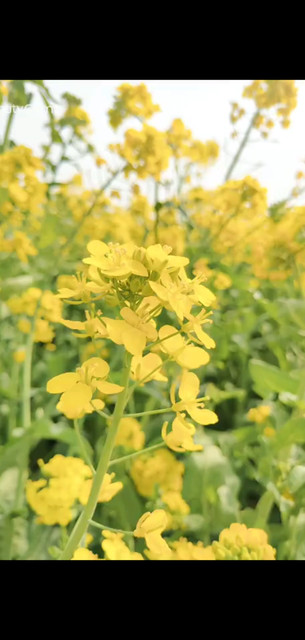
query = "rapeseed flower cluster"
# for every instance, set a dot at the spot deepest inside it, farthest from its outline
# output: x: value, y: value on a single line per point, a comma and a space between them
x: 22, y: 196
x: 274, y: 93
x: 131, y: 101
x: 141, y: 282
x: 43, y: 307
x: 67, y: 483
x: 236, y: 543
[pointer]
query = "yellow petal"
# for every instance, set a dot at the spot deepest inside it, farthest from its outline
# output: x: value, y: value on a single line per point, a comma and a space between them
x: 189, y: 386
x: 193, y: 357
x: 97, y: 247
x: 73, y: 402
x: 138, y: 268
x: 96, y: 367
x: 108, y: 387
x: 206, y: 340
x: 156, y: 544
x: 130, y: 316
x: 204, y: 295
x: 62, y: 383
x: 202, y: 416
x: 170, y: 343
x: 98, y: 404
x: 134, y: 340
x: 73, y: 324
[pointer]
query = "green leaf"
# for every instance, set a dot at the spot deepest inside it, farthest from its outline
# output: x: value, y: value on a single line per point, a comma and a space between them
x: 269, y: 379
x: 296, y: 478
x: 292, y: 432
x: 42, y: 429
x: 8, y: 487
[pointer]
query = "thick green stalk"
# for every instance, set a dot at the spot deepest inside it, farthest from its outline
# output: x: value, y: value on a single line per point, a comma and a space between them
x: 26, y: 386
x: 26, y: 415
x: 83, y: 521
x: 26, y: 423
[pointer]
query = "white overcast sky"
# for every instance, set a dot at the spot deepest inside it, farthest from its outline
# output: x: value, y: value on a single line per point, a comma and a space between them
x: 204, y: 106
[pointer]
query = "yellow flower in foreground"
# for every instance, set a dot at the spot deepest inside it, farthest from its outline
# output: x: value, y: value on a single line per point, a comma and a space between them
x: 114, y: 260
x: 194, y: 325
x: 240, y: 543
x: 188, y: 390
x: 150, y: 526
x: 187, y: 356
x: 132, y: 331
x: 259, y: 414
x: 180, y: 439
x: 84, y: 554
x: 116, y: 549
x: 147, y: 368
x: 77, y: 388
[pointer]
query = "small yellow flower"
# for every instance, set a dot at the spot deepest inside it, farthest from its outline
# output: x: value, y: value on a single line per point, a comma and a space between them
x: 180, y: 439
x: 175, y: 502
x: 259, y: 414
x: 132, y: 331
x: 159, y: 468
x: 114, y: 261
x: 269, y: 432
x: 108, y: 489
x: 100, y: 161
x: 77, y: 388
x: 19, y: 355
x: 150, y: 526
x: 188, y: 391
x: 187, y: 356
x: 130, y: 434
x: 147, y: 368
x: 240, y: 543
x: 24, y: 325
x: 84, y: 554
x: 116, y: 549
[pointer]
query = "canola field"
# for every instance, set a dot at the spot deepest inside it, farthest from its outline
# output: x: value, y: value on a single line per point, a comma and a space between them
x: 152, y: 352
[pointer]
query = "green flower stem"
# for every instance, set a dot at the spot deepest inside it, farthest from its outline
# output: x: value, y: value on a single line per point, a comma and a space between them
x: 137, y: 453
x: 14, y: 390
x: 241, y: 147
x: 82, y: 523
x: 154, y: 344
x: 148, y: 413
x: 81, y: 442
x: 26, y: 420
x: 263, y: 509
x: 103, y: 415
x: 104, y: 526
x: 157, y: 209
x: 7, y: 130
x: 26, y: 386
